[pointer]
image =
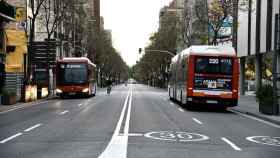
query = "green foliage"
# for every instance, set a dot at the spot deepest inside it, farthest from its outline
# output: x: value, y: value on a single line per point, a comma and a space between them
x: 265, y: 94
x: 106, y: 57
x: 8, y: 93
x: 153, y: 65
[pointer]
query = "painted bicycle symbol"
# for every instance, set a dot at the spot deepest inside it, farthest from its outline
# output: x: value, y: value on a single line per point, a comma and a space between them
x: 176, y: 136
x: 267, y: 140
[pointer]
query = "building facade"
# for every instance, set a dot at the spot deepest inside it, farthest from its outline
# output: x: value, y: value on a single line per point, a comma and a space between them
x: 258, y: 39
x: 16, y: 49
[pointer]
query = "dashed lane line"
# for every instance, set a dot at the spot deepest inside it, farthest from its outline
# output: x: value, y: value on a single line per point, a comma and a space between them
x: 64, y: 112
x: 10, y: 138
x: 32, y: 128
x: 235, y: 147
x: 79, y: 105
x: 197, y: 121
x: 180, y: 109
x: 22, y: 107
x: 132, y: 135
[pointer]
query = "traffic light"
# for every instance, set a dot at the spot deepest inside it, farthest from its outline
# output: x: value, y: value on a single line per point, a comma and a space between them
x: 140, y: 50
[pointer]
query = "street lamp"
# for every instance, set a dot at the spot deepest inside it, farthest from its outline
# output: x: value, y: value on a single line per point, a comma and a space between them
x: 160, y: 51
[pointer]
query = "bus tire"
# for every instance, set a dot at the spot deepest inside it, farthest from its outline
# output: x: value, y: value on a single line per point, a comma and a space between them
x: 62, y: 96
x: 181, y: 98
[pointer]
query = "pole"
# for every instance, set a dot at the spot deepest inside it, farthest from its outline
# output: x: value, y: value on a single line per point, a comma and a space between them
x: 162, y: 51
x: 274, y: 68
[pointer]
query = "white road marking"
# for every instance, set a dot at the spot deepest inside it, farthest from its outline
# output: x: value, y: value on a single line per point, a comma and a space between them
x: 256, y: 119
x: 31, y: 128
x: 197, y: 121
x: 176, y: 136
x: 21, y: 107
x: 63, y: 112
x: 180, y: 109
x: 126, y: 127
x: 266, y: 140
x: 133, y: 135
x: 235, y: 147
x: 10, y: 138
x: 117, y: 146
x: 171, y: 103
x: 80, y: 105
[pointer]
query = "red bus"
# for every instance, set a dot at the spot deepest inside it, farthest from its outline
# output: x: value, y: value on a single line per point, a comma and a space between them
x: 75, y: 76
x: 205, y: 75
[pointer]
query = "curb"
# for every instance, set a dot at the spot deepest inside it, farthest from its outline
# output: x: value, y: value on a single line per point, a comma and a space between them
x: 258, y: 116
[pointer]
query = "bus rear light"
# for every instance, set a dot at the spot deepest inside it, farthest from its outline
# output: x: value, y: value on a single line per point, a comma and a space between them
x: 58, y: 91
x: 190, y: 88
x: 198, y: 94
x: 226, y: 95
x: 85, y: 90
x: 235, y: 91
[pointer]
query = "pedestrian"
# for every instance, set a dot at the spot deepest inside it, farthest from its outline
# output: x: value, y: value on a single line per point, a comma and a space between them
x: 109, y: 86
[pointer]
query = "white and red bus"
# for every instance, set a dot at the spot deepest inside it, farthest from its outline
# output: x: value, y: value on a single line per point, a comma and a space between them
x: 205, y: 75
x: 75, y: 76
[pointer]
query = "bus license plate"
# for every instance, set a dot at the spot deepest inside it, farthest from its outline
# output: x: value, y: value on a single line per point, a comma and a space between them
x: 212, y: 84
x: 212, y: 101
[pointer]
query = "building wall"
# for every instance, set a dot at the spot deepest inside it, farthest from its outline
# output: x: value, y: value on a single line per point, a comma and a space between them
x: 16, y: 38
x: 243, y: 28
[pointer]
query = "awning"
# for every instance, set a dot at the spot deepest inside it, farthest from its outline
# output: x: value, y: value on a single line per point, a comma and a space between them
x: 6, y: 18
x: 7, y: 11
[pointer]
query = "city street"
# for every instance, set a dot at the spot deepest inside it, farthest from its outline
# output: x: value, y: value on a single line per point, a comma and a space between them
x: 135, y: 121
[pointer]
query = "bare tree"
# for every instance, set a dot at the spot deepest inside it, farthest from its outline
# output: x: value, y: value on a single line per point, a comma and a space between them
x: 35, y: 6
x: 195, y: 22
x: 54, y: 12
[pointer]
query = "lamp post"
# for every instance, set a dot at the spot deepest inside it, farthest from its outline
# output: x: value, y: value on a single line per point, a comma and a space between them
x: 159, y: 51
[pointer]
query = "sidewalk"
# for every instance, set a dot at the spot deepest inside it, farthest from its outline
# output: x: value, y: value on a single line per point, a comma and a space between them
x: 248, y: 105
x: 19, y: 105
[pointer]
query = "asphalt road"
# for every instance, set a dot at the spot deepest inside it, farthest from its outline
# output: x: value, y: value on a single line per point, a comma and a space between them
x: 135, y: 122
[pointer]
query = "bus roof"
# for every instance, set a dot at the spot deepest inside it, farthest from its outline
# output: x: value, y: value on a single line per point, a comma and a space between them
x: 77, y: 59
x: 209, y: 50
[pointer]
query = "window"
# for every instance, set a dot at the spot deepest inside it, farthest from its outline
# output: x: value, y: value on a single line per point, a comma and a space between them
x: 213, y: 65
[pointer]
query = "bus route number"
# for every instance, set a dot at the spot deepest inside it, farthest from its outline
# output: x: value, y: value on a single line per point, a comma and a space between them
x: 213, y: 61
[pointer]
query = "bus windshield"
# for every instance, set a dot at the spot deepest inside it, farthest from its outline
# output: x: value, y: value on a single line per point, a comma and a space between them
x: 213, y: 65
x: 72, y: 73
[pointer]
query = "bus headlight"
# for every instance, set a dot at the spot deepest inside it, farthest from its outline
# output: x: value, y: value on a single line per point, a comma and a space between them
x: 58, y: 91
x: 85, y: 90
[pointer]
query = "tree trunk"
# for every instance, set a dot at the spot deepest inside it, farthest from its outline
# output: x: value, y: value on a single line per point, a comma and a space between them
x: 235, y: 24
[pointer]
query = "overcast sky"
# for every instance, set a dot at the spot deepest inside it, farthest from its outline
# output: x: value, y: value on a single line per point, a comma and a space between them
x: 131, y: 22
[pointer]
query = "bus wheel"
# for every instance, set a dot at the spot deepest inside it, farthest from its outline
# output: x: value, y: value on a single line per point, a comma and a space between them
x: 189, y: 105
x: 62, y: 96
